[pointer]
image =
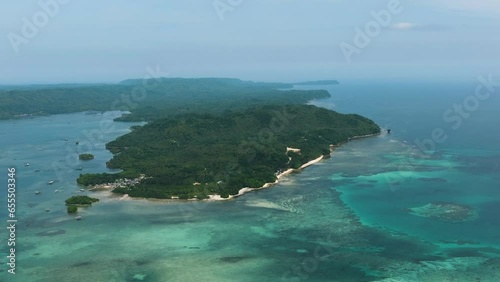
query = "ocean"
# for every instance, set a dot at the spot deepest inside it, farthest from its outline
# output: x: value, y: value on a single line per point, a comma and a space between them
x: 418, y: 204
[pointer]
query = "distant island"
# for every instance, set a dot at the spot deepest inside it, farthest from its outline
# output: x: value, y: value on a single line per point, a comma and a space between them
x: 86, y: 157
x: 318, y: 82
x: 149, y: 99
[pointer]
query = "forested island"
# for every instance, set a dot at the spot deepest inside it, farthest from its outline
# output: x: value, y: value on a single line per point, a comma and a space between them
x: 79, y: 201
x: 86, y: 157
x: 196, y: 155
x: 205, y: 136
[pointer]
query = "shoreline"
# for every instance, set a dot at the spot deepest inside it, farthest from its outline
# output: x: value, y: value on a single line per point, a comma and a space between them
x: 242, y: 191
x: 245, y: 190
x: 364, y: 136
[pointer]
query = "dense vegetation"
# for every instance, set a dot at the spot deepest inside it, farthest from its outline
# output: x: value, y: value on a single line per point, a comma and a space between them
x: 81, y: 200
x: 72, y: 209
x: 204, y: 136
x: 149, y: 99
x: 86, y: 157
x: 199, y: 154
x: 74, y: 202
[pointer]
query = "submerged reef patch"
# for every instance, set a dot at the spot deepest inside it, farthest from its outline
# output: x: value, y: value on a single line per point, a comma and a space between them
x: 52, y: 232
x: 449, y: 212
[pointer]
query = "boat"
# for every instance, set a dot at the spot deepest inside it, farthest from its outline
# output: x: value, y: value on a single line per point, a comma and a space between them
x: 79, y: 168
x: 81, y: 190
x: 56, y: 191
x: 78, y: 217
x: 27, y: 164
x: 50, y: 182
x: 38, y: 192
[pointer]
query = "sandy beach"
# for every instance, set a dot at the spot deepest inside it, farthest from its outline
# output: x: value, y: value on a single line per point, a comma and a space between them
x: 242, y: 191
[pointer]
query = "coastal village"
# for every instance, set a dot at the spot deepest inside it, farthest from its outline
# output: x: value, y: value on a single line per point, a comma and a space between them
x: 119, y: 183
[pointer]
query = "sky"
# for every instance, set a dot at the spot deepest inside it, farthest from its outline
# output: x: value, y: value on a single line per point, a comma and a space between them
x: 76, y: 41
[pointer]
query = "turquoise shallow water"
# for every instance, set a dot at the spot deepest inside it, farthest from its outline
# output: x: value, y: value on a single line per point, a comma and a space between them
x: 463, y: 170
x: 344, y: 219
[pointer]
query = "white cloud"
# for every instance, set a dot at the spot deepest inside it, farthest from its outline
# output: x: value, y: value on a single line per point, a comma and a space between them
x: 403, y: 26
